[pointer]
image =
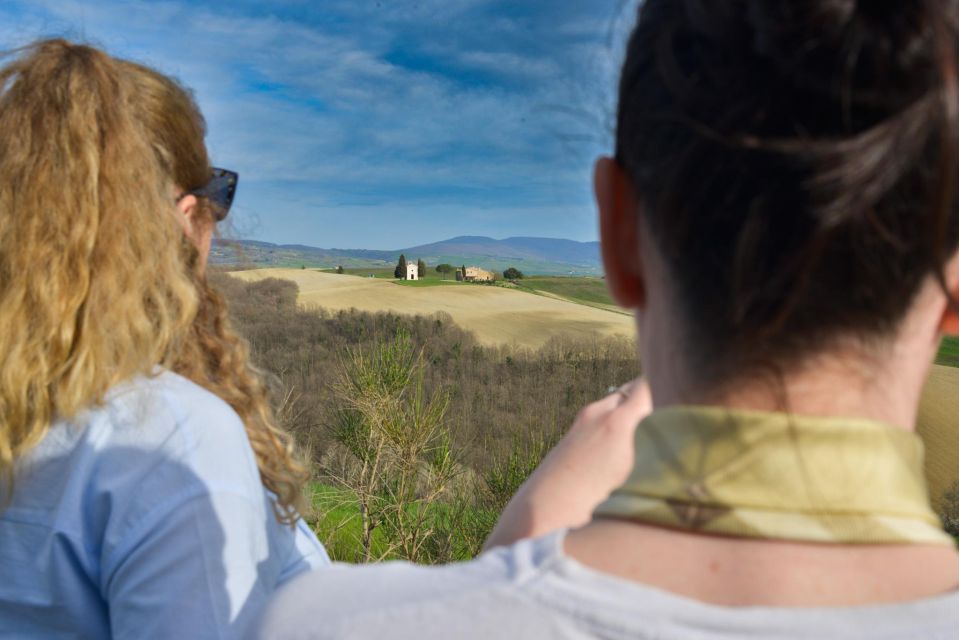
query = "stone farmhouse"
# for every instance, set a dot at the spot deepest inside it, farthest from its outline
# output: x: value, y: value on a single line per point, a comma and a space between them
x: 474, y: 274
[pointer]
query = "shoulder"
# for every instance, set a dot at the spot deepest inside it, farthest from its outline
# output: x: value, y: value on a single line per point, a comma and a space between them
x: 159, y: 441
x: 401, y: 600
x: 168, y: 399
x: 163, y: 449
x: 168, y: 417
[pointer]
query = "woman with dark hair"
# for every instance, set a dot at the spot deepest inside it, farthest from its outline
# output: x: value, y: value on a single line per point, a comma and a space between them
x: 781, y: 216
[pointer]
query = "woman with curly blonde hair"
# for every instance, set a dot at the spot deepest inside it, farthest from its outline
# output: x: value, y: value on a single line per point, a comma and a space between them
x: 146, y: 490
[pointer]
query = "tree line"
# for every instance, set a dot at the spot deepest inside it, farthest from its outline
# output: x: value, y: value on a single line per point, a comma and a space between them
x: 444, y: 269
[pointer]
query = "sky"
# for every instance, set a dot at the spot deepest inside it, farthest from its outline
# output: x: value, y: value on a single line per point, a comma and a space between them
x: 380, y: 124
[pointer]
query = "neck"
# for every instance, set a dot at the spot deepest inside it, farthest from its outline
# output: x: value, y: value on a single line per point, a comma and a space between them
x: 882, y: 384
x: 736, y: 572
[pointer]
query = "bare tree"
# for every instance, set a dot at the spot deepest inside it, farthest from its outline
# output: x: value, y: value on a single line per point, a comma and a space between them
x: 401, y: 447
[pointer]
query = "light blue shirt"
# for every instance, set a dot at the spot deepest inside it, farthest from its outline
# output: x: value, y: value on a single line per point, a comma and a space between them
x: 144, y: 518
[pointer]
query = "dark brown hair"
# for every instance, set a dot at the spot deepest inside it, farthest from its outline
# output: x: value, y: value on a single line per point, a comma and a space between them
x: 795, y: 162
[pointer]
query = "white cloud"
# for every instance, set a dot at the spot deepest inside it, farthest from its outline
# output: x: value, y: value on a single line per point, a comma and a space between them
x: 324, y: 106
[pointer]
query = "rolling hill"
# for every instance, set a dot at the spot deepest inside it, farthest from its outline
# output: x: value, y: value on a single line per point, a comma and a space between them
x: 544, y: 256
x: 495, y: 314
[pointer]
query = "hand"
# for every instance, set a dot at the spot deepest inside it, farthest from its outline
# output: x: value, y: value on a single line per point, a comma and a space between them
x: 591, y: 460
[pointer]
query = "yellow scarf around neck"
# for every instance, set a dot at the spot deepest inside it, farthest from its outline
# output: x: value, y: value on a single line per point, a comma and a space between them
x: 778, y: 476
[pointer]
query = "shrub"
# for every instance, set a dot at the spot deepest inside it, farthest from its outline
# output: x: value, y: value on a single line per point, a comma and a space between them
x: 513, y: 274
x: 398, y: 439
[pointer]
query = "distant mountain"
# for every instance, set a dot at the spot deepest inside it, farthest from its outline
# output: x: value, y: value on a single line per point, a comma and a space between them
x: 531, y: 255
x: 538, y: 249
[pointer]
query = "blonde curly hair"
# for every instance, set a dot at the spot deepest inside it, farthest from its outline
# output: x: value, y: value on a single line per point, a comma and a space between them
x: 98, y: 283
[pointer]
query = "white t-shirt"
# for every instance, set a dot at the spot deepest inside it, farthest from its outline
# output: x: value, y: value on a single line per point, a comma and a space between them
x: 533, y: 591
x: 144, y: 518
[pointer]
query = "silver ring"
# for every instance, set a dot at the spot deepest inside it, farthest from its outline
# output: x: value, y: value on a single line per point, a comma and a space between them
x: 621, y: 390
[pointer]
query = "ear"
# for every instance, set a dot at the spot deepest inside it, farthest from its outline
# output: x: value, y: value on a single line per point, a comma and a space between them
x: 949, y: 323
x: 188, y: 207
x: 619, y: 234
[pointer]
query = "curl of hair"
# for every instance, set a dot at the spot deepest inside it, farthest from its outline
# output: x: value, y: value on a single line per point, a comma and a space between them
x: 97, y: 282
x: 88, y: 295
x: 216, y: 358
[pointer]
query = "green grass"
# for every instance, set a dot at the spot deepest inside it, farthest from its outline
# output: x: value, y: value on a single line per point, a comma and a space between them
x: 432, y: 278
x: 336, y: 521
x: 429, y: 281
x: 582, y: 289
x: 949, y: 352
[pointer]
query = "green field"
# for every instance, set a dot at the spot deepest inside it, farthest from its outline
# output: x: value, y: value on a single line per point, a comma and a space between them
x: 432, y: 278
x: 949, y: 352
x: 586, y: 290
x: 583, y: 289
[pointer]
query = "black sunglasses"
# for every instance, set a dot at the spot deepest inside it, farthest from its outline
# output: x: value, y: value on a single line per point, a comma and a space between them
x: 220, y: 191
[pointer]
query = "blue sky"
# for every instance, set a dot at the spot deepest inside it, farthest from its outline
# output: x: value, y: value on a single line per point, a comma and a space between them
x: 380, y: 124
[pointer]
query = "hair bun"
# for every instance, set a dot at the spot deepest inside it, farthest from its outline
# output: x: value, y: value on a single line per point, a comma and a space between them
x: 781, y: 25
x: 873, y: 42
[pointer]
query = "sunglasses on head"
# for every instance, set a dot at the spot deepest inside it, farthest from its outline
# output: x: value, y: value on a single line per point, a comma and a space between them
x: 220, y: 191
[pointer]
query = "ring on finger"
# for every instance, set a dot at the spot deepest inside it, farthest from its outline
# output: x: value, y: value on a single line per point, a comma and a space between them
x: 621, y: 390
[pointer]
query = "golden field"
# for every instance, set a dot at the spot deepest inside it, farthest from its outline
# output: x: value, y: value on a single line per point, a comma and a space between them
x: 939, y: 428
x: 504, y: 316
x: 495, y: 315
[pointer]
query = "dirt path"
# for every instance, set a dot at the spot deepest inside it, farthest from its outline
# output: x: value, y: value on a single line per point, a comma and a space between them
x: 496, y: 315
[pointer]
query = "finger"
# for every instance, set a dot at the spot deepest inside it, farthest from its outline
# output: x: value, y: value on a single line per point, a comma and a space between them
x: 632, y: 399
x: 615, y: 396
x: 597, y: 410
x: 635, y: 385
x: 638, y: 402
